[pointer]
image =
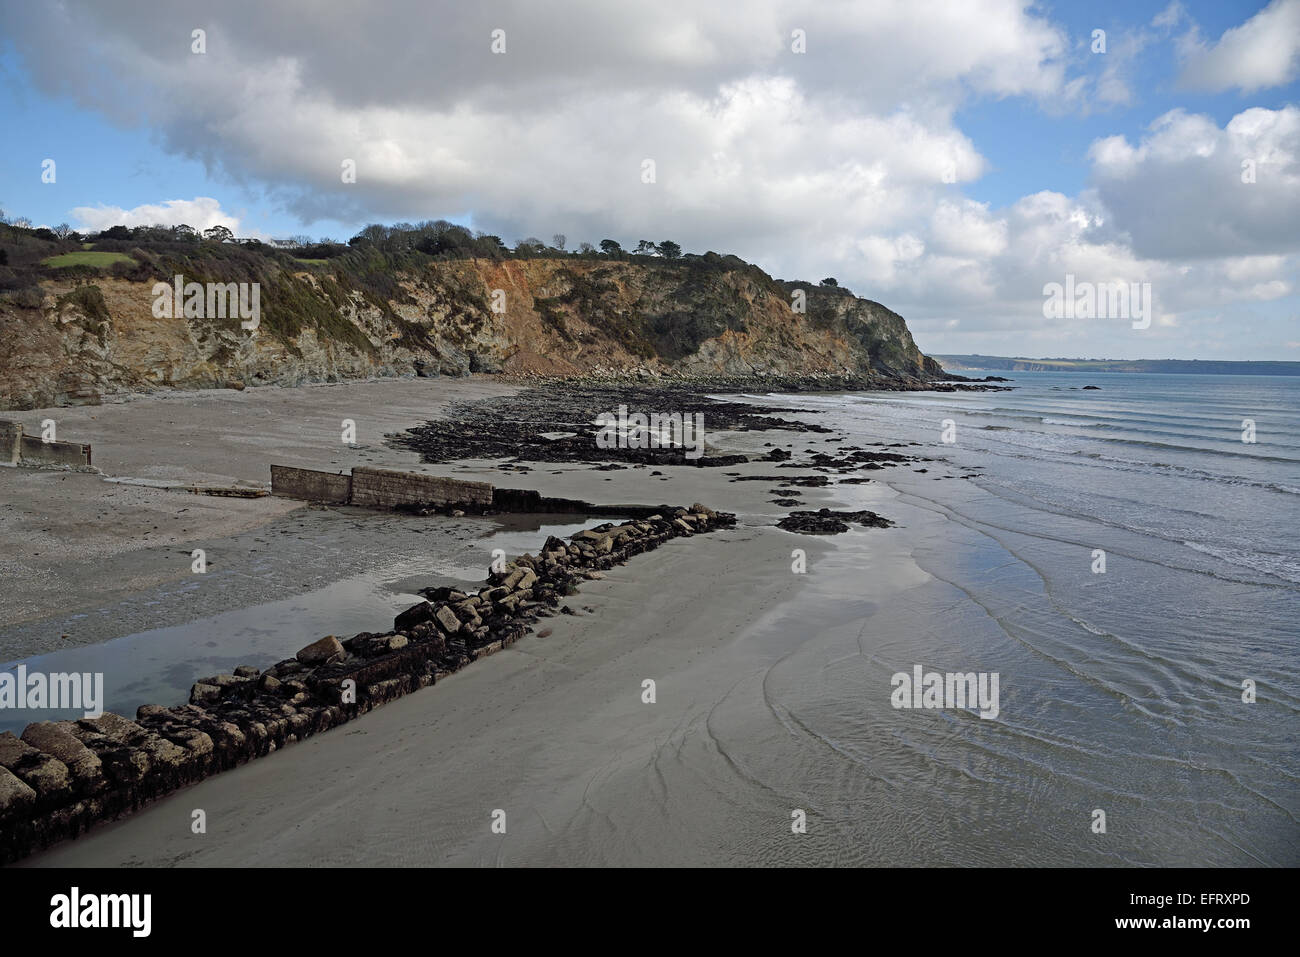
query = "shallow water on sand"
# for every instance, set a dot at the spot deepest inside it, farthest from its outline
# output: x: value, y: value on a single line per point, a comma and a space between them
x: 160, y: 665
x: 1120, y: 690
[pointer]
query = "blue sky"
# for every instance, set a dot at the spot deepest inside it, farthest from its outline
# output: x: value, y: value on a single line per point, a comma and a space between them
x: 129, y: 126
x: 103, y: 162
x: 1031, y: 147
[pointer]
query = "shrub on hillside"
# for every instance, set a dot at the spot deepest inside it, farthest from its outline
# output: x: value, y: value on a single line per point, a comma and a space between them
x: 28, y: 297
x: 89, y: 299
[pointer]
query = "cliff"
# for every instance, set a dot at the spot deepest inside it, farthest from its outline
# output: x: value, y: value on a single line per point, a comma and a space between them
x: 81, y: 333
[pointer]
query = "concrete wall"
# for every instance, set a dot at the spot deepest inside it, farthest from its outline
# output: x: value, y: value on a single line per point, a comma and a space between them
x: 16, y: 448
x: 11, y: 442
x: 377, y: 488
x: 35, y: 452
x: 382, y: 488
x: 310, y: 485
x: 522, y: 500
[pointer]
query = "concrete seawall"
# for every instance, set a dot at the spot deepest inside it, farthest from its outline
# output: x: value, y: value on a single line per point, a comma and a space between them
x: 11, y: 442
x: 311, y: 485
x: 382, y: 488
x: 387, y: 488
x: 39, y: 452
x: 18, y: 448
x: 379, y: 488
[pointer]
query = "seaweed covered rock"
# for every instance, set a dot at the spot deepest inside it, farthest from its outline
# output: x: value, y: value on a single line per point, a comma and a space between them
x: 827, y: 522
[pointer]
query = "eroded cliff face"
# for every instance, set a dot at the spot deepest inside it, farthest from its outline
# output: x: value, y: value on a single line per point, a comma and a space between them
x: 556, y: 317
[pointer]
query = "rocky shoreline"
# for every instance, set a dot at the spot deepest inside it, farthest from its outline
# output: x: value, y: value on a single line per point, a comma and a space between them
x: 60, y: 778
x: 557, y: 423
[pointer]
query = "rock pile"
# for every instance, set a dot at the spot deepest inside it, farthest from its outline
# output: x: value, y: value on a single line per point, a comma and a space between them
x: 62, y: 777
x: 827, y: 522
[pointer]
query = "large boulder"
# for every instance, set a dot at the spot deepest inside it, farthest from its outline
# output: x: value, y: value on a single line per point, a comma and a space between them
x: 448, y: 620
x: 319, y: 652
x: 15, y: 796
x: 58, y: 742
x: 126, y: 733
x: 413, y: 616
x: 519, y: 579
x: 181, y: 726
x: 47, y: 776
x: 202, y: 693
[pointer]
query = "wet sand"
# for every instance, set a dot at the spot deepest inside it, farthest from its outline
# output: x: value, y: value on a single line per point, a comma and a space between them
x: 72, y: 542
x: 553, y: 730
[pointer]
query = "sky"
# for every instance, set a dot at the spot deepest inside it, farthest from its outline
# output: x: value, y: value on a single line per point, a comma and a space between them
x: 950, y: 160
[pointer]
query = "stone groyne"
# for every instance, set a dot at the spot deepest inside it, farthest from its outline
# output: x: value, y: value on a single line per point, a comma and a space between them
x: 60, y: 778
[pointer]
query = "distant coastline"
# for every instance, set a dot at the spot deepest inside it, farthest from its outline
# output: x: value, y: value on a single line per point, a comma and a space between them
x: 1164, y: 366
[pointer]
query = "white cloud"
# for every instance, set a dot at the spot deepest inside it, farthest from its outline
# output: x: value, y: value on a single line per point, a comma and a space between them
x: 1113, y: 85
x: 1170, y: 16
x: 966, y: 228
x: 1170, y: 210
x: 202, y: 212
x: 1180, y: 192
x: 1260, y: 53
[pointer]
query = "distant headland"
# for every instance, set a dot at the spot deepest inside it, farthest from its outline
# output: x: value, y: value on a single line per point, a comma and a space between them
x: 1167, y: 366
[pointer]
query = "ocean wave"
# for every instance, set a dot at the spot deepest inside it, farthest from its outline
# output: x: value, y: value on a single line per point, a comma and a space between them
x: 1118, y: 415
x: 1270, y: 563
x: 1238, y: 451
x: 1080, y: 425
x: 1199, y: 474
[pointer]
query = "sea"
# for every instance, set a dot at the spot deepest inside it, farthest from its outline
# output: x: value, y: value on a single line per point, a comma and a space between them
x: 1125, y: 558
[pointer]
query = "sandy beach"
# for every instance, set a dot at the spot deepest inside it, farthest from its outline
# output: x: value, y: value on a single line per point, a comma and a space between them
x: 553, y: 731
x: 772, y: 684
x: 565, y: 708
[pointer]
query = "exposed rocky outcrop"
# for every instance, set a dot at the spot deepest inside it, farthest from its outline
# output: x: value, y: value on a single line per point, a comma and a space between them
x: 825, y: 521
x: 558, y: 424
x: 708, y: 318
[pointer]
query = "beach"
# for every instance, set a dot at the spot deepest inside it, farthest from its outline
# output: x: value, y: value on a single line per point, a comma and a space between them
x: 72, y: 543
x: 772, y: 655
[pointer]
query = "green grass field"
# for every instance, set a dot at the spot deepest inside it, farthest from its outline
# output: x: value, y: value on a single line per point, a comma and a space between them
x: 86, y: 258
x: 311, y: 262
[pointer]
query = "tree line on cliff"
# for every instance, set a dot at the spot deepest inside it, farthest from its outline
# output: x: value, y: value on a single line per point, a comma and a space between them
x: 152, y: 252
